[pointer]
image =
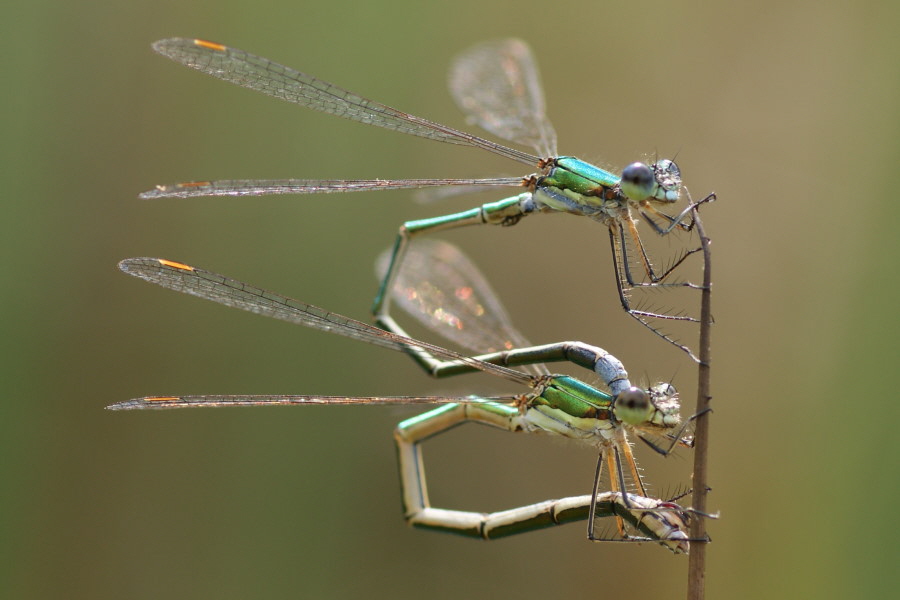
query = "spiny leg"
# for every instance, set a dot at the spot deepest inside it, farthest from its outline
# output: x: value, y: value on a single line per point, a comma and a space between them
x: 654, y: 280
x: 632, y: 466
x: 618, y: 475
x: 676, y: 222
x: 595, y: 491
x: 657, y: 519
x: 617, y: 484
x: 676, y: 439
x: 625, y: 283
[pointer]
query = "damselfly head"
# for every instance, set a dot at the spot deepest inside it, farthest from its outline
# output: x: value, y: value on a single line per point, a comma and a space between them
x: 666, y: 413
x: 668, y: 181
x: 660, y: 182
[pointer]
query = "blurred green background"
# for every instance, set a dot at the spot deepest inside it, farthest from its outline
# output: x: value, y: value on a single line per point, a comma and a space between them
x: 788, y: 110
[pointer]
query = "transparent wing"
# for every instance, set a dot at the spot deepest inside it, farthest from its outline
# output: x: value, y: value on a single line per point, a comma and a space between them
x: 444, y: 291
x: 164, y: 402
x: 212, y: 286
x: 263, y: 75
x: 272, y: 187
x: 497, y: 85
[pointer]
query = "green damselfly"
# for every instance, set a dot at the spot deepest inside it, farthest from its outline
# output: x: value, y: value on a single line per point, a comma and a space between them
x: 556, y: 404
x: 497, y: 85
x: 442, y: 289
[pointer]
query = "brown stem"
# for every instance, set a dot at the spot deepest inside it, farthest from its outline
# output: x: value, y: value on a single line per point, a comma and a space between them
x: 697, y: 559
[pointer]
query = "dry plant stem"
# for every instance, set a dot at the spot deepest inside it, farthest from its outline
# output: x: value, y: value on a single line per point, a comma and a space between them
x: 697, y: 559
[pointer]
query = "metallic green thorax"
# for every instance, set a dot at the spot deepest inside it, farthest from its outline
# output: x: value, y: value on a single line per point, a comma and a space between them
x: 582, y: 177
x: 575, y: 398
x: 577, y: 187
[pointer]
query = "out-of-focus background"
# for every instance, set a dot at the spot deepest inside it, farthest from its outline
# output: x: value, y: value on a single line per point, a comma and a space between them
x: 787, y: 110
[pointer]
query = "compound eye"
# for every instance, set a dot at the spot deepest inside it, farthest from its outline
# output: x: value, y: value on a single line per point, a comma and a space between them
x: 632, y: 406
x: 638, y: 181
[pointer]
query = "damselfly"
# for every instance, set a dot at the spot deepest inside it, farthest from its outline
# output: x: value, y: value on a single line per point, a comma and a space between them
x: 497, y: 85
x: 556, y: 404
x: 442, y: 289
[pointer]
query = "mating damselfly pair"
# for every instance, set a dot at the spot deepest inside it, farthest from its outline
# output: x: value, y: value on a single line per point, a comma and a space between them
x: 497, y: 84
